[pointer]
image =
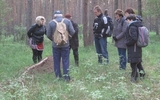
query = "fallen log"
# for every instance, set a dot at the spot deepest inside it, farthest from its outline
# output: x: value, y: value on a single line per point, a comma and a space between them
x: 33, y: 66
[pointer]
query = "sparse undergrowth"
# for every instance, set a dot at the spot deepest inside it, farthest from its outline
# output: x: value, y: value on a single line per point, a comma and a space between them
x: 89, y: 81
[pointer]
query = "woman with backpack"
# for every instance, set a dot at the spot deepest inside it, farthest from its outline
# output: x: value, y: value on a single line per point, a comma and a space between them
x: 134, y: 51
x: 36, y: 37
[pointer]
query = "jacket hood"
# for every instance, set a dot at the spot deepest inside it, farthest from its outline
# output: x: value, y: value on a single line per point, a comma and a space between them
x: 137, y: 24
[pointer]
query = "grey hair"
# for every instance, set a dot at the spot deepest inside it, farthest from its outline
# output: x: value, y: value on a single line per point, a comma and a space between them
x: 56, y: 15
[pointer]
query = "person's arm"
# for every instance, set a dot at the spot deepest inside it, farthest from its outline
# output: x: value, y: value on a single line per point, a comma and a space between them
x: 75, y: 26
x: 31, y: 30
x: 50, y: 31
x: 70, y: 28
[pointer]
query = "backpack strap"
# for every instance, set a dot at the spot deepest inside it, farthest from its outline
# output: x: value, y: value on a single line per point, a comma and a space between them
x: 55, y: 21
x: 62, y: 20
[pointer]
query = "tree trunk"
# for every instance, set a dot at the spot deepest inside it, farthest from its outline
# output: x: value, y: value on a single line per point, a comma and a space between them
x: 53, y: 2
x: 85, y: 21
x: 29, y: 15
x: 115, y: 4
x: 140, y: 8
x: 157, y: 25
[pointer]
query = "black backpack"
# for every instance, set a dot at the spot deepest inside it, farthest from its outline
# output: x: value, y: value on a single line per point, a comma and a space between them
x: 110, y: 23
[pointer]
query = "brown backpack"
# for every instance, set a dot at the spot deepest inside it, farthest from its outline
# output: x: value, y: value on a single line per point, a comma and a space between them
x: 60, y: 35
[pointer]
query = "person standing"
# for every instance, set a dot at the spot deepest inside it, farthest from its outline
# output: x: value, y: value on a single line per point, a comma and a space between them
x: 60, y: 51
x: 129, y: 11
x: 120, y: 27
x: 134, y: 52
x: 74, y: 41
x: 99, y: 30
x: 36, y: 38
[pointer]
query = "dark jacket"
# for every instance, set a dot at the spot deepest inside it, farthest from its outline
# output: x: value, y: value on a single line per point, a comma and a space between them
x: 37, y: 32
x: 100, y: 25
x: 134, y: 52
x: 74, y: 42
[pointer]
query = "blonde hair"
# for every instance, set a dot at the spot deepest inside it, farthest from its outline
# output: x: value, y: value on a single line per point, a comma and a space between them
x: 39, y: 20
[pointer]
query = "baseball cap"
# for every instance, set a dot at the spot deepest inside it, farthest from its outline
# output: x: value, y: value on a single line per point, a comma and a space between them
x: 57, y: 12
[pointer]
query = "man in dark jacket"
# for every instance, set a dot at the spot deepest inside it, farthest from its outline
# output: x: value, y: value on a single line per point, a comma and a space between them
x: 74, y: 42
x: 60, y: 51
x: 134, y: 52
x: 99, y: 29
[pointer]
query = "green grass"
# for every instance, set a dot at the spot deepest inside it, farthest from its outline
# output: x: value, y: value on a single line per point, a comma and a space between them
x: 90, y: 81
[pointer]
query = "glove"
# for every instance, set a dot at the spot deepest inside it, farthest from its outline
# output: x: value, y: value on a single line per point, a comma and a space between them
x: 115, y: 39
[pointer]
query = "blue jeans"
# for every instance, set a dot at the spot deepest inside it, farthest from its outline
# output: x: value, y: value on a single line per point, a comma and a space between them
x: 59, y: 53
x: 122, y: 58
x: 101, y: 47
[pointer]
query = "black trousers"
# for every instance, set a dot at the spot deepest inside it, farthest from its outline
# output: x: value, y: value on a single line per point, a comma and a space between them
x: 37, y: 55
x: 135, y: 67
x: 76, y: 56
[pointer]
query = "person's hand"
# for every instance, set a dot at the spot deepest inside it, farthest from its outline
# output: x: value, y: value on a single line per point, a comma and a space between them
x: 100, y: 35
x: 115, y: 39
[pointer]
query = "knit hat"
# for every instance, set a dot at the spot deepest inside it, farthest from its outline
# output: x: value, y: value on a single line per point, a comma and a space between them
x: 68, y: 16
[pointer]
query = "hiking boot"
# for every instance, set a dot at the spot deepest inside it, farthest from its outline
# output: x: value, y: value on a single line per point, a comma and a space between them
x: 100, y: 59
x: 67, y: 78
